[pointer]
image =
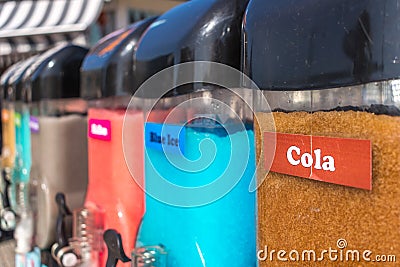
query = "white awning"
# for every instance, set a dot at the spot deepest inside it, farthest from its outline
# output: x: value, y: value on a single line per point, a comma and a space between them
x: 34, y: 25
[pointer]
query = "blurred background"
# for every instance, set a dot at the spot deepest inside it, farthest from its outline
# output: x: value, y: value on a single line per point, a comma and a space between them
x: 25, y: 30
x: 31, y: 27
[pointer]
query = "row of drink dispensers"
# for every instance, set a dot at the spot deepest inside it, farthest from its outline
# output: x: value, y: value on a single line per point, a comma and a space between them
x: 78, y: 151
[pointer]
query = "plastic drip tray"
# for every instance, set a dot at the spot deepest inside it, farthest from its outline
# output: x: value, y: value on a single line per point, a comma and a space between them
x: 7, y: 253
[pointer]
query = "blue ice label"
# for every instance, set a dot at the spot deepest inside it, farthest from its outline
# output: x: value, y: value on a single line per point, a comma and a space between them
x: 167, y: 137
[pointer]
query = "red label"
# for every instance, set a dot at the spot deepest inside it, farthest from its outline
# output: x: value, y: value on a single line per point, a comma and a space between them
x: 340, y: 161
x: 100, y: 129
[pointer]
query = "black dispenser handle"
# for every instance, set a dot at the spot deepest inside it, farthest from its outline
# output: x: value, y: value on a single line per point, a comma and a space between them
x: 116, y: 251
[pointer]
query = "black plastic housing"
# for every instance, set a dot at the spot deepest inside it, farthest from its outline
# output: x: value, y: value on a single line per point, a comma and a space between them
x: 198, y: 30
x: 306, y: 44
x: 107, y: 69
x: 55, y: 74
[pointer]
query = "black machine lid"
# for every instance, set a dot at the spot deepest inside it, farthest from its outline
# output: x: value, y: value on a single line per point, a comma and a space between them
x: 198, y: 30
x: 5, y: 77
x: 107, y: 69
x: 306, y: 44
x: 55, y: 74
x: 15, y: 82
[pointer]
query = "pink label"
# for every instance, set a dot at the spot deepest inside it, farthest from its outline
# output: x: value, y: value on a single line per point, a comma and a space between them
x: 100, y: 129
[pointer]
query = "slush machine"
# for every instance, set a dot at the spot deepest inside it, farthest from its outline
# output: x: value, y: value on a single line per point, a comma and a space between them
x: 107, y: 77
x: 199, y: 160
x: 8, y: 137
x: 330, y: 73
x: 58, y: 125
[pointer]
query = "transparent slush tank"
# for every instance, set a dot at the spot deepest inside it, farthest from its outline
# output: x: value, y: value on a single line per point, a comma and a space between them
x: 199, y: 164
x: 8, y: 133
x: 62, y: 139
x: 364, y: 112
x: 9, y: 143
x: 112, y: 187
x: 8, y: 153
x: 8, y: 150
x: 86, y: 241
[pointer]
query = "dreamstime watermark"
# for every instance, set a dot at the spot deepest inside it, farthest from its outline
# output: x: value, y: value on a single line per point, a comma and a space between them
x: 340, y: 253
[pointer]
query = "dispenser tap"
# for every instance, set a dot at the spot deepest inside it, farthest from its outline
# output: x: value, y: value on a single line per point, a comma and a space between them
x: 7, y: 216
x: 61, y: 251
x: 149, y: 256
